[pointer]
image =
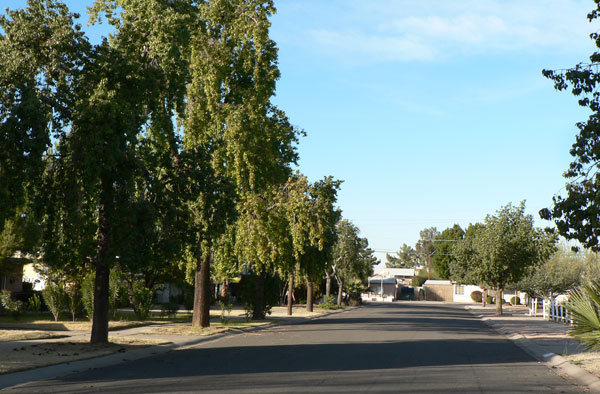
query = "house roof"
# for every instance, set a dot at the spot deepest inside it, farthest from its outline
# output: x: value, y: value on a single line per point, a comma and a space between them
x: 437, y: 282
x: 378, y: 280
x: 396, y: 272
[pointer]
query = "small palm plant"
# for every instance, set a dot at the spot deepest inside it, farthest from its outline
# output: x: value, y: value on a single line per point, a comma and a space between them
x: 584, y: 305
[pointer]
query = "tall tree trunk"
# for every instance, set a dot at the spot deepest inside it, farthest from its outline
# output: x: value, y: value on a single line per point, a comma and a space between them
x: 341, y: 285
x: 499, y: 299
x: 258, y: 313
x: 328, y: 285
x: 101, y: 284
x: 290, y: 295
x: 309, y: 294
x: 201, y: 314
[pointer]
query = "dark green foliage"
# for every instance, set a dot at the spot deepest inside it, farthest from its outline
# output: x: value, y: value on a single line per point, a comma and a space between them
x: 476, y: 296
x: 514, y: 300
x: 444, y: 255
x: 273, y: 285
x: 169, y: 308
x: 406, y: 257
x: 577, y: 216
x: 489, y: 300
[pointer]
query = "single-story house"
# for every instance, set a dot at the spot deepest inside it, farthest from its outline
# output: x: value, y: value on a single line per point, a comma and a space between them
x: 403, y: 275
x: 445, y: 290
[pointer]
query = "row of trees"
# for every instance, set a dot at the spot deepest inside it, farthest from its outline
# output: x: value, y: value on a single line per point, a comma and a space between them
x: 496, y: 253
x: 157, y: 152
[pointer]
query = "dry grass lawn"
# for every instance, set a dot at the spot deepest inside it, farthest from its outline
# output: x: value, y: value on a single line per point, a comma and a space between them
x: 215, y: 328
x: 24, y: 335
x: 44, y: 354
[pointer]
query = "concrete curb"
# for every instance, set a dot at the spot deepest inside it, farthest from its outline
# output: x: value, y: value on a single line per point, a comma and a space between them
x: 555, y: 362
x: 13, y: 380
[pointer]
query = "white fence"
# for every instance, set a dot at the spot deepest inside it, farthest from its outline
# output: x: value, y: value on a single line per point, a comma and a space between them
x: 551, y: 310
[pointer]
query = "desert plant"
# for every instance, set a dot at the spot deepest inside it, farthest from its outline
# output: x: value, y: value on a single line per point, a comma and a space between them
x: 476, y: 296
x: 55, y: 298
x: 584, y: 305
x: 14, y: 307
x: 515, y: 300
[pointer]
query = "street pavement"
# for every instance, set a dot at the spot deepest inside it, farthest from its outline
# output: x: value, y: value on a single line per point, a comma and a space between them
x: 404, y: 347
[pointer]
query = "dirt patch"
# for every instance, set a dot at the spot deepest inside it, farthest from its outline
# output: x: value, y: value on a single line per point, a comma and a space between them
x: 24, y: 335
x: 44, y: 354
x: 590, y: 361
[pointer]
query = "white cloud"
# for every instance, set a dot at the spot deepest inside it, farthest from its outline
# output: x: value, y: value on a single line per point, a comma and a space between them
x: 387, y: 30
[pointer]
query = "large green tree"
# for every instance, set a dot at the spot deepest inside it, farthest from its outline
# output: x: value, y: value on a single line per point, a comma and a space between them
x: 501, y: 251
x: 353, y: 260
x: 425, y: 247
x: 577, y: 215
x: 89, y: 98
x: 406, y: 257
x: 444, y: 250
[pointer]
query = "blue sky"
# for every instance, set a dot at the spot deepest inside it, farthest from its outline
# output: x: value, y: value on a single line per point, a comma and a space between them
x: 432, y: 112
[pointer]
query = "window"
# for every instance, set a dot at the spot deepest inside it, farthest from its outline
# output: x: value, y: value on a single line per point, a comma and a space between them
x: 459, y: 290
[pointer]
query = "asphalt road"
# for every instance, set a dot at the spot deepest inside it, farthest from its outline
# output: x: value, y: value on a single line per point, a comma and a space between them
x: 382, y: 348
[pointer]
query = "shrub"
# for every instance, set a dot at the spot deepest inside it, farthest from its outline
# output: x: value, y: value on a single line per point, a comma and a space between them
x: 489, y: 299
x: 225, y: 307
x: 329, y: 303
x: 170, y: 308
x: 14, y: 307
x: 87, y: 295
x: 476, y: 296
x: 55, y: 298
x: 34, y: 303
x: 141, y: 300
x: 515, y: 300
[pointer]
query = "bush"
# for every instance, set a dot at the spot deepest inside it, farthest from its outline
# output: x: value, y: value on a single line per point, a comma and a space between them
x: 14, y: 307
x: 417, y: 281
x: 87, y: 295
x: 225, y: 307
x: 170, y: 308
x: 476, y: 296
x: 489, y: 299
x: 141, y: 300
x: 55, y: 298
x: 329, y: 303
x: 34, y: 303
x: 515, y: 300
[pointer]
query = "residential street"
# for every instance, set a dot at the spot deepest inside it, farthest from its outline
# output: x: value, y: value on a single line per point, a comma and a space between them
x: 381, y: 348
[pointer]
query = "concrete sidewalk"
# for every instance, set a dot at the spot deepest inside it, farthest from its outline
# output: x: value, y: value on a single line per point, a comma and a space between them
x: 545, y: 340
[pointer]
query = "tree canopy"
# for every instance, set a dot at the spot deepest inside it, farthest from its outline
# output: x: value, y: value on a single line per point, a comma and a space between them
x: 577, y: 215
x: 499, y: 251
